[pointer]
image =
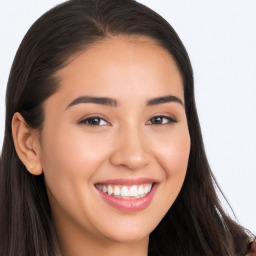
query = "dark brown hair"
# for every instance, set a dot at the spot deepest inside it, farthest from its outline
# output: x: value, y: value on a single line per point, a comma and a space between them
x: 196, y: 224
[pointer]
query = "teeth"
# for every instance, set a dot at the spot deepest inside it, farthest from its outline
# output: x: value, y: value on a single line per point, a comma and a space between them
x: 124, y: 191
x: 133, y: 191
x: 141, y: 190
x: 117, y: 191
x: 128, y: 192
x: 110, y: 190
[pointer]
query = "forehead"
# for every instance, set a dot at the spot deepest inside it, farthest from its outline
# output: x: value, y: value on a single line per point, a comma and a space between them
x: 122, y: 65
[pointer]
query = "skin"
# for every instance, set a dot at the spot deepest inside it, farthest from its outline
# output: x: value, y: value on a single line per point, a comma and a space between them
x: 126, y: 143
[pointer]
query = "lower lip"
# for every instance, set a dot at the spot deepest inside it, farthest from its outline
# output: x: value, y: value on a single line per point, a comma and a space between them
x: 129, y: 205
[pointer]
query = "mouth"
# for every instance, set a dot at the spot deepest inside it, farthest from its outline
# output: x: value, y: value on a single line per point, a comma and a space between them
x: 127, y: 195
x: 125, y: 192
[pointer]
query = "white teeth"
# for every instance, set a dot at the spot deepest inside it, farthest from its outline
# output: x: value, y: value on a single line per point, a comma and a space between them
x: 117, y: 191
x: 133, y: 191
x: 110, y: 190
x: 146, y: 189
x: 141, y: 190
x: 126, y: 192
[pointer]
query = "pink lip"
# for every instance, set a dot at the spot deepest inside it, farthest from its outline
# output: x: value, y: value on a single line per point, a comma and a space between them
x: 129, y: 205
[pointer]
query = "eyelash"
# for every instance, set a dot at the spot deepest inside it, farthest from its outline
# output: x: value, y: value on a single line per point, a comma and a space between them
x: 90, y: 119
x: 168, y: 118
x: 100, y: 119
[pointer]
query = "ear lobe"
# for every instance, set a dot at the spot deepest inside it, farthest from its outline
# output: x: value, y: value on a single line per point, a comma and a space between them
x: 26, y: 142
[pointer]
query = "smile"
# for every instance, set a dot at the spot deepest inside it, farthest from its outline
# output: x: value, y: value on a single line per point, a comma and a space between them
x: 127, y: 195
x: 126, y: 192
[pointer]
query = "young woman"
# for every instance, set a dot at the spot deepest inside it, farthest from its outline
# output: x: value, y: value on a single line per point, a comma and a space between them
x: 103, y: 152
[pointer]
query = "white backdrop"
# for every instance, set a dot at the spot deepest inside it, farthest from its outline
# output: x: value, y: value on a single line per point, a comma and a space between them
x: 220, y: 37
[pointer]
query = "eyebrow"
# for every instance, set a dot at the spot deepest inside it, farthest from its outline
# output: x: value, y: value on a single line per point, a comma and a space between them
x: 96, y: 100
x: 114, y: 103
x: 164, y: 99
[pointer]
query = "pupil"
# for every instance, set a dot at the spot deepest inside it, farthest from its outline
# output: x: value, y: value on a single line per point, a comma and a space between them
x: 157, y: 120
x: 94, y: 121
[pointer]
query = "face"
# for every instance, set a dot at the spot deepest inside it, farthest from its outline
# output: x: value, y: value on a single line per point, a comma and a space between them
x: 115, y: 142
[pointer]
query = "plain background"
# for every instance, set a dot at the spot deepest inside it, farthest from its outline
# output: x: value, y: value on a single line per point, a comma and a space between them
x: 220, y: 37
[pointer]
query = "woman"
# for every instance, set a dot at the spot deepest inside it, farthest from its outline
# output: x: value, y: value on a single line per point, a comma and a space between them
x: 102, y: 150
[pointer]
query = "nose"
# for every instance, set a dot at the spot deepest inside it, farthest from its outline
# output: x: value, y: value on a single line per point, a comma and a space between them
x: 130, y: 150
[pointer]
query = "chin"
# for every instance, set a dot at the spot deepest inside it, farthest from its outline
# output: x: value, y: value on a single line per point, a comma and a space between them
x: 129, y: 233
x: 128, y: 237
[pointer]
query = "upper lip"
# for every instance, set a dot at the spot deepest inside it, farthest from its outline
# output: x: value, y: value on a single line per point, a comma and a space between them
x: 128, y: 182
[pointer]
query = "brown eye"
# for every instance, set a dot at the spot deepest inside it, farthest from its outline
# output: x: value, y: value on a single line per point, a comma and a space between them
x: 156, y: 120
x: 94, y: 121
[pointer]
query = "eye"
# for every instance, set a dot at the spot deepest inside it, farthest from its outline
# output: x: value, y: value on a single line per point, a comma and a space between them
x: 156, y: 120
x: 94, y: 121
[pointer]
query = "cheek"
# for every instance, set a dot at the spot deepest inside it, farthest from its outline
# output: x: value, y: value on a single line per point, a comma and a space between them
x: 173, y: 153
x: 69, y: 158
x: 71, y: 153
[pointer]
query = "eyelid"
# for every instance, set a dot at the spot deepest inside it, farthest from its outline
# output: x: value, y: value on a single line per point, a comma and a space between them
x: 85, y: 119
x: 170, y: 119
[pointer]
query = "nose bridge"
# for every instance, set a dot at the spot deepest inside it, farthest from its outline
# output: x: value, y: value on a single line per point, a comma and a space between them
x: 130, y: 147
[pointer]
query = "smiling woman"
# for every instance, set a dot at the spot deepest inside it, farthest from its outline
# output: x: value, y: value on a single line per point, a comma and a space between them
x: 103, y: 152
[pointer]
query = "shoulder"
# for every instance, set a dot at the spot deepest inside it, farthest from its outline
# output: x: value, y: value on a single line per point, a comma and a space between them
x: 252, y: 249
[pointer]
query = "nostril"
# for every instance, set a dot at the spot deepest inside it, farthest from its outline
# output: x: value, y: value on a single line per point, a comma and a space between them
x: 129, y: 160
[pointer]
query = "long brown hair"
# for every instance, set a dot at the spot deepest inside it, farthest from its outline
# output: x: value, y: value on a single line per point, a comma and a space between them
x: 196, y: 224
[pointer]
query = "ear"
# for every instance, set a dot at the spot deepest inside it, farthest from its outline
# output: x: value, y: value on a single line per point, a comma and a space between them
x: 27, y: 144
